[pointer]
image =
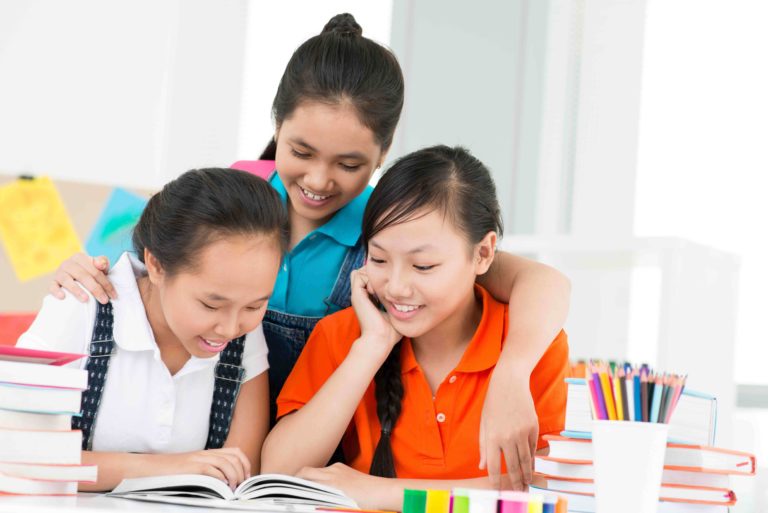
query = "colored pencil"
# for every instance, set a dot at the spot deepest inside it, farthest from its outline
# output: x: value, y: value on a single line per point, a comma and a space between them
x: 624, y: 396
x: 658, y: 390
x: 644, y: 395
x: 616, y: 382
x: 629, y: 385
x: 598, y: 410
x: 608, y: 395
x: 636, y: 390
x: 664, y: 399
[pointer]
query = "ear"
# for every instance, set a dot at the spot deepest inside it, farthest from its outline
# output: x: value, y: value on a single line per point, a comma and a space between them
x: 484, y: 252
x: 154, y: 269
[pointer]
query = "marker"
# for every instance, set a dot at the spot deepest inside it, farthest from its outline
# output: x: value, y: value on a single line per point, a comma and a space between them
x: 438, y: 501
x: 414, y: 501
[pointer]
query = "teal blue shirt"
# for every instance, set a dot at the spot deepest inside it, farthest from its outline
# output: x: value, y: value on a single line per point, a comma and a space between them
x: 310, y: 269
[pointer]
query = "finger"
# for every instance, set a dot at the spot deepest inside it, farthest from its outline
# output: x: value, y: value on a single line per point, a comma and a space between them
x: 237, y: 464
x: 525, y: 460
x: 211, y: 470
x: 493, y: 462
x: 85, y: 276
x: 55, y: 290
x: 94, y: 287
x: 102, y: 264
x: 226, y: 467
x: 512, y: 460
x: 533, y: 441
x: 481, y: 466
x: 241, y: 458
x: 69, y: 284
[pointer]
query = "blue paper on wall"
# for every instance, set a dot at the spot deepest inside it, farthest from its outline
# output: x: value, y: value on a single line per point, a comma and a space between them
x: 112, y: 234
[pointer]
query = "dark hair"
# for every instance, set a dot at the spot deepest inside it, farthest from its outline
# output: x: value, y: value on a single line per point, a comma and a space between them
x: 202, y: 204
x: 455, y: 183
x: 340, y: 65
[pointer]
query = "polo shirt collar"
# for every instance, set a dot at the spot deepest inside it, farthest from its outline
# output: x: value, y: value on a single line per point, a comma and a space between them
x: 132, y: 331
x: 483, y: 350
x: 131, y: 328
x: 346, y: 224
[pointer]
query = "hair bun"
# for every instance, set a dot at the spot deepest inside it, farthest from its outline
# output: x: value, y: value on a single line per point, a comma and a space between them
x: 343, y: 25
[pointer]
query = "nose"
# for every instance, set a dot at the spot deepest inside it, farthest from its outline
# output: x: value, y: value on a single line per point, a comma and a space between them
x: 318, y: 177
x: 228, y: 326
x: 399, y: 285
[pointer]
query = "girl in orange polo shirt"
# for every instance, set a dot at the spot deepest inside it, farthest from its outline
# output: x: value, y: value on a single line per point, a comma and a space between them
x: 400, y: 377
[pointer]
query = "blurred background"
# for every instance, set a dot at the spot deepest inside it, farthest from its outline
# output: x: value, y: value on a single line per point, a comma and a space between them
x: 627, y: 139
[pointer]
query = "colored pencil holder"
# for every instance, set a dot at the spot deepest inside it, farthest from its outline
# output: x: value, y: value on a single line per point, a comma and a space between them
x: 628, y: 464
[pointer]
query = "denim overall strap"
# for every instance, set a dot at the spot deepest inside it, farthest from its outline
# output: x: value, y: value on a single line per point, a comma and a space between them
x: 286, y: 335
x: 100, y: 350
x: 341, y: 295
x: 229, y: 375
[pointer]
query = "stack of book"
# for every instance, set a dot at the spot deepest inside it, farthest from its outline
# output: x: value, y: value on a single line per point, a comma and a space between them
x: 39, y: 451
x: 696, y: 476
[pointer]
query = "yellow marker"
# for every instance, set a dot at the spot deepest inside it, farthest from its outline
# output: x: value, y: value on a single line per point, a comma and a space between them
x: 617, y: 396
x: 35, y: 227
x: 438, y: 501
x: 535, y: 503
x: 609, y: 404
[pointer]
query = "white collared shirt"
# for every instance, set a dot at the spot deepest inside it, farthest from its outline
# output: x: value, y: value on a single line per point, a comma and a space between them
x: 143, y: 408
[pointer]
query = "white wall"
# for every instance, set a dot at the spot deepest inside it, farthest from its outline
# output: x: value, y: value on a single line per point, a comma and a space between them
x: 127, y: 93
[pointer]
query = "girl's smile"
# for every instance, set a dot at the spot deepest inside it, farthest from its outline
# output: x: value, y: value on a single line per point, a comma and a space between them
x: 213, y: 346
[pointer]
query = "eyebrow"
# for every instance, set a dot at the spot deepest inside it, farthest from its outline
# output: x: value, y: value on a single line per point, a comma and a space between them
x: 417, y: 249
x: 217, y: 297
x: 351, y: 155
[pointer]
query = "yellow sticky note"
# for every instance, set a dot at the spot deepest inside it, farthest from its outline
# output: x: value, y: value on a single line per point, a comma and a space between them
x: 35, y: 227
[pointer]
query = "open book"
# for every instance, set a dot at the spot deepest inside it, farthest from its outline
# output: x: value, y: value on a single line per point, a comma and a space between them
x: 263, y: 492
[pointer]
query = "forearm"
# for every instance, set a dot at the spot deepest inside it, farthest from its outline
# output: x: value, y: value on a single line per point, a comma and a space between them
x: 113, y: 468
x: 308, y: 437
x: 538, y: 297
x: 250, y: 422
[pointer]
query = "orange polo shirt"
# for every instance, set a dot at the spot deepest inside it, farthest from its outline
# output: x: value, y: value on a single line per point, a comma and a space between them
x: 434, y: 437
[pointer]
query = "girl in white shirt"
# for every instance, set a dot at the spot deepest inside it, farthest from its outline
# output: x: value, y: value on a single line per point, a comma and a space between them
x: 177, y: 380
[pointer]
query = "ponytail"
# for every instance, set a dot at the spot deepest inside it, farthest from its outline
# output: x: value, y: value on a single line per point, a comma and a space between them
x: 389, y: 403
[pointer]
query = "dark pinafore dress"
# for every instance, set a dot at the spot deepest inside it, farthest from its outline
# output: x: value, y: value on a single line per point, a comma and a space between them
x: 228, y: 377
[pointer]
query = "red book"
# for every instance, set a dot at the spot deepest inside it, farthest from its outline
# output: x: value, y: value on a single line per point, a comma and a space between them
x: 20, y: 354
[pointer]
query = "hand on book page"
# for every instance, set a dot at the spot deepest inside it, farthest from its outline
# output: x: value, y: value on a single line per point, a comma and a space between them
x: 365, y: 489
x: 228, y: 465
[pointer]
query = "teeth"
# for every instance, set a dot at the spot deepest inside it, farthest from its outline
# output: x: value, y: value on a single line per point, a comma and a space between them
x: 405, y: 308
x: 214, y: 344
x: 313, y: 196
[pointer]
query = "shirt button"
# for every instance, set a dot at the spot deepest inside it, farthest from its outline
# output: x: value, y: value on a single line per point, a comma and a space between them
x: 452, y: 379
x: 441, y: 417
x: 312, y: 237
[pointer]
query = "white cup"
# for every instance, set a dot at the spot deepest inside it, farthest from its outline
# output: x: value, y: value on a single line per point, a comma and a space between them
x: 628, y: 461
